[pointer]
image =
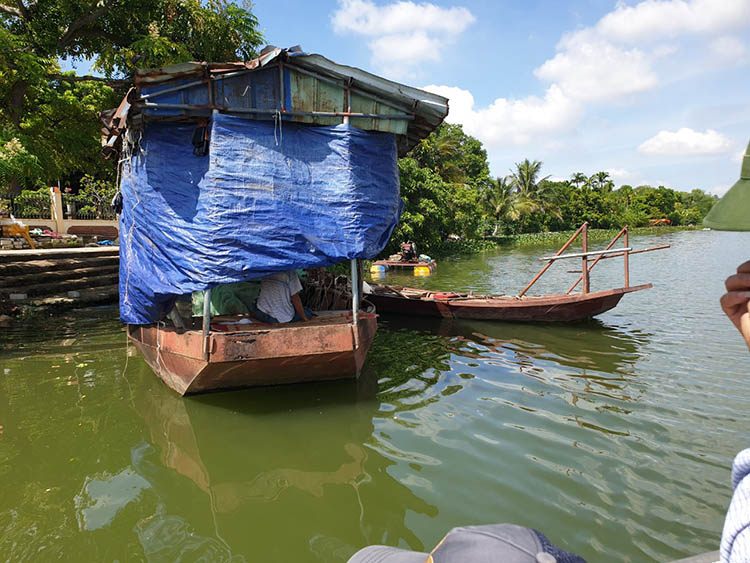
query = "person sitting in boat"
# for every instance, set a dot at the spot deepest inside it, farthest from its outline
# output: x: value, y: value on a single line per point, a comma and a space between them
x: 279, y: 300
x: 409, y: 252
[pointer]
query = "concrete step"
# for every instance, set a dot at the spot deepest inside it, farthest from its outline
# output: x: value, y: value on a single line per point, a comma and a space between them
x: 10, y: 256
x: 103, y: 295
x: 46, y: 265
x: 60, y: 287
x: 55, y: 275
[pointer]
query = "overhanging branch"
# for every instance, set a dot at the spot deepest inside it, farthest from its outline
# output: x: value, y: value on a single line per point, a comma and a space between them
x: 73, y: 28
x: 114, y: 82
x: 10, y: 10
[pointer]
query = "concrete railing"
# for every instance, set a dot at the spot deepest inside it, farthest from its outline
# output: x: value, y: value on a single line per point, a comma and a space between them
x: 58, y: 222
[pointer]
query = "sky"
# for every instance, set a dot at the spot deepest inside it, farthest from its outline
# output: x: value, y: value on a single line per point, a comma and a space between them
x: 654, y: 91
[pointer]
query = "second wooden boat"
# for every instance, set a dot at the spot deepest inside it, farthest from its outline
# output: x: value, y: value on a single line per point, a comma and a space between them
x: 564, y: 307
x: 576, y: 307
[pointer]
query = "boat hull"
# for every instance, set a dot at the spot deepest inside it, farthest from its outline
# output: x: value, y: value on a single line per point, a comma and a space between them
x: 548, y: 308
x: 268, y: 355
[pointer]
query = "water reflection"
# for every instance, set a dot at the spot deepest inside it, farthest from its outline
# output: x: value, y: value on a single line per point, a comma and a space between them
x: 591, y: 366
x: 590, y: 345
x: 266, y: 460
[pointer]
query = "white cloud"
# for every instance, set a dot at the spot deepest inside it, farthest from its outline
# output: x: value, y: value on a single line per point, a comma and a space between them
x: 686, y: 141
x: 402, y: 34
x: 719, y: 190
x: 619, y: 55
x: 509, y: 122
x: 620, y: 175
x: 594, y: 69
x: 365, y: 18
x: 728, y: 47
x: 652, y: 20
x: 400, y: 50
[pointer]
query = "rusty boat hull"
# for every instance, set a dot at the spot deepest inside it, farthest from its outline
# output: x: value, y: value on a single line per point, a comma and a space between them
x: 329, y: 348
x: 545, y: 308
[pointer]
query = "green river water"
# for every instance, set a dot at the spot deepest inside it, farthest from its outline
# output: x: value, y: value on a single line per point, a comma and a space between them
x: 614, y: 437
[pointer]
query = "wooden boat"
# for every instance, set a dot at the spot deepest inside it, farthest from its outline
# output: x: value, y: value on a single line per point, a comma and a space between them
x: 231, y: 356
x: 206, y: 232
x: 556, y: 307
x: 408, y: 301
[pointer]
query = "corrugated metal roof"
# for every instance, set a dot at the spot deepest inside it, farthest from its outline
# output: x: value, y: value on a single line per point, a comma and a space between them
x: 292, y: 85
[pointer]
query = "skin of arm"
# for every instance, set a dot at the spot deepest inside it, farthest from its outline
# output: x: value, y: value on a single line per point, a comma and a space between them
x: 736, y: 301
x: 297, y: 303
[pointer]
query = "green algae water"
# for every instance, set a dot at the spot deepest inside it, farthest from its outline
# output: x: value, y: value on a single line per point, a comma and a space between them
x: 614, y: 437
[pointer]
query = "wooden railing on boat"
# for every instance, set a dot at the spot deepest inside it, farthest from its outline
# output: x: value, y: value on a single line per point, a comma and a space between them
x: 608, y: 252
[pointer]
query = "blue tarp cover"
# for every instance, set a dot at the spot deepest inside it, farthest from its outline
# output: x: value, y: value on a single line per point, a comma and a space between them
x: 268, y: 197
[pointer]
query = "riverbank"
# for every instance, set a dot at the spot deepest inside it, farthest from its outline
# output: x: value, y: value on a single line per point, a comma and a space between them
x: 454, y: 248
x: 594, y: 235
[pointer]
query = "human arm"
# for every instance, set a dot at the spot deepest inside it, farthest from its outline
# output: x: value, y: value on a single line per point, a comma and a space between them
x: 736, y: 301
x: 297, y: 303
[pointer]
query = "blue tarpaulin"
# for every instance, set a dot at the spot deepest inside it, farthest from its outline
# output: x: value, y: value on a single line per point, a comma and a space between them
x: 268, y: 197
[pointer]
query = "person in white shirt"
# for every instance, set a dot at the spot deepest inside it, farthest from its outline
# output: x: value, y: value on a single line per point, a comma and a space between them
x: 279, y: 300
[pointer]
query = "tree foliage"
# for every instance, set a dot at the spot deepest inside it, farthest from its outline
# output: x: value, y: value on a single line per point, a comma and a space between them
x: 448, y: 192
x: 53, y: 115
x: 443, y: 181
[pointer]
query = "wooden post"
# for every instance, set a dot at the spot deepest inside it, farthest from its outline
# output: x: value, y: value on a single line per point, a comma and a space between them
x: 347, y: 104
x: 602, y: 255
x: 585, y: 268
x: 206, y: 322
x: 355, y: 290
x: 564, y: 247
x: 361, y: 279
x: 626, y: 259
x: 57, y: 209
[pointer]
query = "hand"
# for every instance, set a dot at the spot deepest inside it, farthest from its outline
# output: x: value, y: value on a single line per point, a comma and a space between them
x: 736, y: 301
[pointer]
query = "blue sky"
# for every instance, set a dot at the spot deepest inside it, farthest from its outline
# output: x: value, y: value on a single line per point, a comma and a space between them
x: 653, y: 91
x: 656, y: 91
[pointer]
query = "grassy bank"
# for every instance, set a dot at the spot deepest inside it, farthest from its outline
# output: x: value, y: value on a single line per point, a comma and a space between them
x: 594, y: 235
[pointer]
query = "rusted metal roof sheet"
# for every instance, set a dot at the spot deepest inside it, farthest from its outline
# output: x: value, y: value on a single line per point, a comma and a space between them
x: 289, y: 84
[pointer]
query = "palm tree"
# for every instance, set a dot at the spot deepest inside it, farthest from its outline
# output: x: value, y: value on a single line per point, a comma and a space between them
x: 532, y: 194
x: 602, y: 182
x: 578, y: 179
x: 499, y: 199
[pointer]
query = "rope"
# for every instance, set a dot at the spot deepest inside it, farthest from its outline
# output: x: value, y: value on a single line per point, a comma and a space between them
x: 158, y: 342
x: 127, y: 151
x: 277, y: 123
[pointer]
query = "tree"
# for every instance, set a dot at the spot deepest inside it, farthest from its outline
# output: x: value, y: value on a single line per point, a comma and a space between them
x: 601, y: 182
x: 531, y: 193
x: 499, y: 201
x: 16, y: 164
x: 53, y: 115
x: 457, y: 157
x: 424, y: 219
x: 578, y: 179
